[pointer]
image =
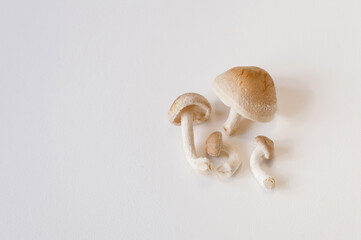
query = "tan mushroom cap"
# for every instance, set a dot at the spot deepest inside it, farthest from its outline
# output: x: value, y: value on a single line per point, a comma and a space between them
x: 214, y: 144
x: 248, y: 90
x: 194, y: 102
x: 266, y: 144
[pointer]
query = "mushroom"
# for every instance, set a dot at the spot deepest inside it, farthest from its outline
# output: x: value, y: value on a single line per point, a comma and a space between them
x: 186, y: 110
x: 249, y: 92
x: 214, y: 147
x: 264, y: 149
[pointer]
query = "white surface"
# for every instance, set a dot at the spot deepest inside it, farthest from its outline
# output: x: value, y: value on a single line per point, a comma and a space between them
x: 87, y: 152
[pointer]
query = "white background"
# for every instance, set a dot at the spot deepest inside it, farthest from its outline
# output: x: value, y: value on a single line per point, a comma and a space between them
x: 87, y: 152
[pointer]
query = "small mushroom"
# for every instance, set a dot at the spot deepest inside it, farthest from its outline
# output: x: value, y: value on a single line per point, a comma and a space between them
x: 249, y: 92
x: 186, y: 110
x: 214, y: 144
x: 214, y: 147
x: 264, y: 149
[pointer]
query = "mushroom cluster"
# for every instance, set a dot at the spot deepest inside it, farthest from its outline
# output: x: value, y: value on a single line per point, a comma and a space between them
x: 250, y: 93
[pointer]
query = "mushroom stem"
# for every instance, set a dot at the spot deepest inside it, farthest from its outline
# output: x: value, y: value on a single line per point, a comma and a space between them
x: 233, y: 162
x: 232, y: 122
x: 261, y: 176
x: 201, y: 165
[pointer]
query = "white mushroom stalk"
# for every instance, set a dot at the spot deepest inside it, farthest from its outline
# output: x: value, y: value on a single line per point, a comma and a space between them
x: 187, y: 110
x: 232, y: 122
x: 200, y: 164
x: 214, y: 147
x: 264, y: 150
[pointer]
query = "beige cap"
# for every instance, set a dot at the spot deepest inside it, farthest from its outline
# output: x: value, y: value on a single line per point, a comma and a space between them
x: 214, y: 144
x: 248, y: 90
x: 194, y: 102
x: 267, y: 146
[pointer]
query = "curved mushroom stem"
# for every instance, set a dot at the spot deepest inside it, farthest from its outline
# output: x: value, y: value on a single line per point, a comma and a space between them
x: 201, y: 165
x: 228, y: 168
x: 261, y: 176
x: 232, y: 122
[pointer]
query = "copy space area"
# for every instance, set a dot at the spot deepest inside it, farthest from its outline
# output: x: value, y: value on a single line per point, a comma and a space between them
x: 87, y: 151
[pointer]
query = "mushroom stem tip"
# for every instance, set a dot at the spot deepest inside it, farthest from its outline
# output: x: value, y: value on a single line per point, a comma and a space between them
x: 269, y: 183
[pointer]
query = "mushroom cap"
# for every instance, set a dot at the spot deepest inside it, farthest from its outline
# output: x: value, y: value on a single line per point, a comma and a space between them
x: 193, y: 102
x: 267, y: 146
x: 248, y: 90
x: 214, y: 144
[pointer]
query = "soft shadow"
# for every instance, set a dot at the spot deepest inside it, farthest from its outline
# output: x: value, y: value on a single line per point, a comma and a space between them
x: 220, y: 112
x: 244, y: 125
x: 293, y: 102
x: 281, y: 182
x: 283, y: 148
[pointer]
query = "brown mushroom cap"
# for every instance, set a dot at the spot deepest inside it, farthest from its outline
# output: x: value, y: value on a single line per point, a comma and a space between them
x: 193, y: 102
x: 248, y: 90
x: 266, y: 144
x: 214, y: 144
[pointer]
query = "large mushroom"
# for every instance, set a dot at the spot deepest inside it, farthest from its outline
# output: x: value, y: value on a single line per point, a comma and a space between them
x: 186, y: 110
x: 264, y: 149
x: 249, y: 92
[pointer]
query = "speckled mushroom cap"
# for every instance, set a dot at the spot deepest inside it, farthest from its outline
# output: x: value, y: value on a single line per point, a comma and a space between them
x: 248, y: 90
x: 193, y: 102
